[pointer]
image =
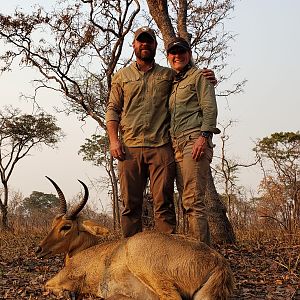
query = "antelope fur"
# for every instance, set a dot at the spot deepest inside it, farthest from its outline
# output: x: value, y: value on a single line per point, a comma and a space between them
x: 147, y: 266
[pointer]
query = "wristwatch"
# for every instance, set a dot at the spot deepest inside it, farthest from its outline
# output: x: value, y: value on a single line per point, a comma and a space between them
x: 206, y: 134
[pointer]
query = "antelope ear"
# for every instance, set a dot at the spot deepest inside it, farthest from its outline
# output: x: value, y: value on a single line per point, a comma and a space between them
x: 94, y: 228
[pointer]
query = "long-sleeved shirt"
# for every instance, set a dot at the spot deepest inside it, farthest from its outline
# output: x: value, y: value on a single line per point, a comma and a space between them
x: 193, y: 104
x: 139, y: 103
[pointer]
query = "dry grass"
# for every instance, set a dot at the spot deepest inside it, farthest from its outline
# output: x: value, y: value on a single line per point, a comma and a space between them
x: 266, y: 265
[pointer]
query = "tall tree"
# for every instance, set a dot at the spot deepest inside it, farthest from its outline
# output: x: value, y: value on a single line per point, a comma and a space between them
x: 281, y: 178
x: 86, y: 43
x: 19, y: 134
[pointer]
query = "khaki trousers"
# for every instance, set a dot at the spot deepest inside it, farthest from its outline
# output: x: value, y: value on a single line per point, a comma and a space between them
x: 141, y: 163
x: 191, y: 179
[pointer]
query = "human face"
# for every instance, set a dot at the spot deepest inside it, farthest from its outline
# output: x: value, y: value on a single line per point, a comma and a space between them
x: 178, y: 58
x: 145, y: 47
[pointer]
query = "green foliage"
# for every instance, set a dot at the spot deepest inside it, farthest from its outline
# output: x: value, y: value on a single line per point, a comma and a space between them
x: 280, y: 145
x: 282, y: 149
x: 39, y: 201
x: 19, y: 134
x: 25, y: 129
x: 95, y: 149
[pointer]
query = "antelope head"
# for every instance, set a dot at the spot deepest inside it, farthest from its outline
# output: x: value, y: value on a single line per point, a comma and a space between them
x: 70, y: 233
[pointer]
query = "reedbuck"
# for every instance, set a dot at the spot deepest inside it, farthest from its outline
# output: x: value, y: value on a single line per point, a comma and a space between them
x: 70, y: 233
x: 148, y: 266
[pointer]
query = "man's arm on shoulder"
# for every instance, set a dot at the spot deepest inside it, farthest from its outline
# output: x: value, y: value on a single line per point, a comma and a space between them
x: 210, y: 76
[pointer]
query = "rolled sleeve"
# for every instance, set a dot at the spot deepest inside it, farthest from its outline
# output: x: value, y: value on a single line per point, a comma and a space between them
x: 208, y: 104
x: 115, y: 102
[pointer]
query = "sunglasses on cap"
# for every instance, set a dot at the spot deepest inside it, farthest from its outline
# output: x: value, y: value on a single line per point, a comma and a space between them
x: 177, y: 51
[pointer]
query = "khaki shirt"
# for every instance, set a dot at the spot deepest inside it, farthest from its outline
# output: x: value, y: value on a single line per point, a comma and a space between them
x: 193, y: 104
x: 139, y: 102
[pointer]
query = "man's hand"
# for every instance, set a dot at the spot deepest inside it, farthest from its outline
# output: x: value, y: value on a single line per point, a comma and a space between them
x: 116, y: 147
x: 210, y: 75
x: 117, y: 150
x: 199, y: 148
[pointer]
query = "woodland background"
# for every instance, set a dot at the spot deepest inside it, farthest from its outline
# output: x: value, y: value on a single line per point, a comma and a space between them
x: 74, y: 48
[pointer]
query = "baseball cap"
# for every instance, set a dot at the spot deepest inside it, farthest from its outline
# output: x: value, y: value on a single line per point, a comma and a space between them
x: 145, y: 30
x: 178, y: 42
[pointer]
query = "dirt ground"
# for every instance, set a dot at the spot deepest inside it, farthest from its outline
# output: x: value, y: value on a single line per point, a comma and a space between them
x: 268, y: 269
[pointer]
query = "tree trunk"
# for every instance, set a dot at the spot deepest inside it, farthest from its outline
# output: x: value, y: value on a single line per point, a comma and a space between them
x: 4, y: 209
x: 115, y: 195
x: 220, y: 227
x: 4, y: 219
x: 159, y: 12
x: 4, y: 212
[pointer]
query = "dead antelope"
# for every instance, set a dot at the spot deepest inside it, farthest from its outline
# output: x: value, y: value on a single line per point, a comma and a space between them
x: 70, y: 233
x: 148, y: 266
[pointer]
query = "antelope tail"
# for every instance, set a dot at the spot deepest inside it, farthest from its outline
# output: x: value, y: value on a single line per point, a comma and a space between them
x: 219, y: 285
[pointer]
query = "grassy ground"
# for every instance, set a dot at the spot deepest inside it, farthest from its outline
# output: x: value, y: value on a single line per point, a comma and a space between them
x: 265, y: 265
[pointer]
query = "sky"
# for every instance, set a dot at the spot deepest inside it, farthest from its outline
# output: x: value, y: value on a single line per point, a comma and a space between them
x: 266, y: 54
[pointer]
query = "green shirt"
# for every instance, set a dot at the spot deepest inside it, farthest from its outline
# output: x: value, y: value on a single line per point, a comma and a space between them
x: 139, y: 102
x: 193, y: 104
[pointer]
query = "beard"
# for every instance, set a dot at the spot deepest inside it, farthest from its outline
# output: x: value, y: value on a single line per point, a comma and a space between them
x: 146, y: 56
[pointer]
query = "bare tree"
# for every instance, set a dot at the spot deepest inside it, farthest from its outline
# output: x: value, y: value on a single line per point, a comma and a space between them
x: 19, y: 134
x: 227, y: 170
x: 202, y: 23
x: 84, y: 43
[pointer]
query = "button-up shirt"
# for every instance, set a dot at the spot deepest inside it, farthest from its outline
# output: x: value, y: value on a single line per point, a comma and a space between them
x: 193, y: 104
x: 139, y: 103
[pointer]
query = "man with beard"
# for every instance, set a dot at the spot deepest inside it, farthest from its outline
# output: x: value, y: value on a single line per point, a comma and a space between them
x: 138, y: 124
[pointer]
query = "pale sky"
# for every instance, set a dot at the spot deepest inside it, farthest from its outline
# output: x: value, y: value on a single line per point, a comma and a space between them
x: 266, y: 52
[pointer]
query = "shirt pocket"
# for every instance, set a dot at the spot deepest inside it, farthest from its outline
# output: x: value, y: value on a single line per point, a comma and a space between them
x: 185, y: 92
x: 162, y: 87
x: 131, y: 89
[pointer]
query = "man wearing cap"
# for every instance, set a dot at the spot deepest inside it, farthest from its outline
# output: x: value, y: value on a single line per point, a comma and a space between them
x: 193, y: 111
x: 138, y: 124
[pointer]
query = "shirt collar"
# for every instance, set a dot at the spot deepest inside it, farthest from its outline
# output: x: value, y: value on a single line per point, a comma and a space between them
x: 179, y: 76
x: 138, y: 67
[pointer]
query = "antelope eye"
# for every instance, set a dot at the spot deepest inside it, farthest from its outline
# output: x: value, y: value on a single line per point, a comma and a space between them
x: 66, y: 227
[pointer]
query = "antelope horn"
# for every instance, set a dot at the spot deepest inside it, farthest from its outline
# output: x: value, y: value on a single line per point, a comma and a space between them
x: 62, y: 200
x: 74, y: 212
